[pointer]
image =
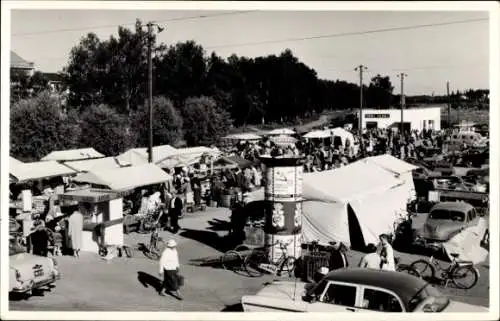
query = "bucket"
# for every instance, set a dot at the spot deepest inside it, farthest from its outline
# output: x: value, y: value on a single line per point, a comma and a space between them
x: 226, y: 200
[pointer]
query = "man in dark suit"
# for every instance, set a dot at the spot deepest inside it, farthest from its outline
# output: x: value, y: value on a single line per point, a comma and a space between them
x: 338, y: 258
x: 174, y: 212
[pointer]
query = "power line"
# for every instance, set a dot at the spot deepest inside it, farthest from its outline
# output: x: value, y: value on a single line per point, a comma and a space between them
x: 129, y: 24
x: 354, y: 33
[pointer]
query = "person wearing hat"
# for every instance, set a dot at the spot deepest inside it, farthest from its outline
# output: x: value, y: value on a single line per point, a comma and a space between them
x: 169, y: 269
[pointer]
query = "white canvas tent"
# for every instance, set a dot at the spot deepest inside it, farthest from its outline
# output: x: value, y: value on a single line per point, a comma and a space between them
x: 400, y: 169
x: 343, y: 134
x: 22, y: 172
x: 318, y: 134
x: 353, y: 204
x: 139, y: 156
x: 73, y: 154
x: 243, y: 136
x: 281, y: 131
x: 187, y: 156
x: 94, y: 164
x: 125, y: 178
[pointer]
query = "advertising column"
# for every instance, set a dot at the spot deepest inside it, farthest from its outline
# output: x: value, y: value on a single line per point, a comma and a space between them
x: 283, y: 212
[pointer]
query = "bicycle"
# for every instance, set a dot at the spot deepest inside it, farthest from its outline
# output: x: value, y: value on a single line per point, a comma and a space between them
x: 455, y: 272
x: 405, y: 268
x: 257, y: 262
x: 156, y: 244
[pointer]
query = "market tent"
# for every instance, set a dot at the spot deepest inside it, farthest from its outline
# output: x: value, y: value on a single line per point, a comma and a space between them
x: 281, y: 131
x: 239, y: 161
x: 187, y: 156
x: 353, y: 204
x: 343, y: 134
x: 22, y: 172
x: 94, y: 164
x: 125, y: 178
x: 399, y: 168
x: 243, y: 136
x: 319, y: 134
x: 283, y: 140
x: 139, y: 156
x: 73, y: 154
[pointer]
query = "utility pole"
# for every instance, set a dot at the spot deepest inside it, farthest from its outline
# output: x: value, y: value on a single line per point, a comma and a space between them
x: 402, y: 76
x: 150, y: 26
x: 449, y: 103
x: 361, y: 68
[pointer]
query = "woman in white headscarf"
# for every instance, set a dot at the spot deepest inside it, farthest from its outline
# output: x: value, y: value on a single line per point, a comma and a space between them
x: 169, y: 269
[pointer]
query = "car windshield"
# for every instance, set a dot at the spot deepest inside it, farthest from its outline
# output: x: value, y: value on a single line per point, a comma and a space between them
x: 437, y: 300
x: 447, y: 215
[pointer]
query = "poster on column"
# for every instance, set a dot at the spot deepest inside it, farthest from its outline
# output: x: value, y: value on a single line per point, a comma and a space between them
x: 283, y: 217
x: 284, y: 182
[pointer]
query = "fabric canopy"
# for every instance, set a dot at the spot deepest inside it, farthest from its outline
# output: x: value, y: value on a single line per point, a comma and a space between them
x: 391, y: 163
x: 283, y: 140
x: 187, y: 156
x: 244, y: 136
x: 139, y: 156
x: 281, y: 131
x: 318, y: 134
x: 125, y: 178
x: 353, y: 204
x: 239, y: 161
x: 73, y: 154
x: 94, y: 164
x: 22, y: 172
x: 343, y: 134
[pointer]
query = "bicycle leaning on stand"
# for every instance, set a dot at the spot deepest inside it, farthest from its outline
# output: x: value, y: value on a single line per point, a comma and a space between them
x: 462, y: 273
x: 257, y: 262
x: 156, y: 244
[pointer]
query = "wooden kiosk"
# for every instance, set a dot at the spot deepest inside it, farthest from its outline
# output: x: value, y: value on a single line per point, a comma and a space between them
x: 103, y: 216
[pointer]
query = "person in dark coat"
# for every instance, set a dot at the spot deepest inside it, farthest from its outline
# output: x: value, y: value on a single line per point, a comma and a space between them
x: 338, y: 258
x: 39, y: 239
x: 174, y: 212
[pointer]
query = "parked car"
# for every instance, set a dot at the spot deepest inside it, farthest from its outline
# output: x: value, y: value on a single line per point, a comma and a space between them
x: 355, y: 290
x: 451, y: 182
x: 28, y: 272
x: 446, y: 219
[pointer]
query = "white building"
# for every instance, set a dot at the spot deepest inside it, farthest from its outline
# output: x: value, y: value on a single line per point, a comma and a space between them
x: 413, y: 118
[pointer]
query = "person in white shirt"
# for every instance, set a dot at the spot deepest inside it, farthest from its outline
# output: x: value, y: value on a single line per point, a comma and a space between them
x: 387, y: 254
x: 169, y: 269
x: 371, y: 260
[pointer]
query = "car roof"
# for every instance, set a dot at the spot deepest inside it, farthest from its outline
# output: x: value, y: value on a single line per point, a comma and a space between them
x: 453, y: 206
x: 403, y: 284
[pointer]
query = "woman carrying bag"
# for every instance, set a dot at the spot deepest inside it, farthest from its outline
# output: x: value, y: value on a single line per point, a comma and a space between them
x: 169, y: 268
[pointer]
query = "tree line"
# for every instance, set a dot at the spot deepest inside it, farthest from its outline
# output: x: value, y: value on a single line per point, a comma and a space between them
x: 197, y: 96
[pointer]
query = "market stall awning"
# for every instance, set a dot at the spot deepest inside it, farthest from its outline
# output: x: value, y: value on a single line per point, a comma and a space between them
x: 391, y: 164
x: 283, y: 140
x: 73, y: 154
x: 22, y: 172
x: 94, y: 164
x: 139, y: 156
x: 239, y: 161
x: 187, y: 156
x: 281, y: 131
x: 243, y: 136
x: 318, y: 134
x: 125, y: 178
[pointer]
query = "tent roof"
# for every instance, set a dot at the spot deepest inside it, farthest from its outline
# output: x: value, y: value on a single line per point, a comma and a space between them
x: 239, y: 161
x: 391, y: 163
x: 17, y: 61
x: 243, y: 136
x: 186, y: 156
x: 347, y: 183
x: 318, y: 134
x: 281, y: 131
x: 125, y: 178
x: 139, y: 156
x: 15, y: 162
x: 93, y: 164
x: 38, y: 170
x: 73, y: 154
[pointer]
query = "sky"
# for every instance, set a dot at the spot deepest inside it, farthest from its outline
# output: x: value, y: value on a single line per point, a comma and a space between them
x: 430, y: 56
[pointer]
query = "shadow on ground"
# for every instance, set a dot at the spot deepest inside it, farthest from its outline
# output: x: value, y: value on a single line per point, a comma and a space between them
x: 212, y: 239
x: 219, y: 225
x: 147, y: 280
x: 233, y: 308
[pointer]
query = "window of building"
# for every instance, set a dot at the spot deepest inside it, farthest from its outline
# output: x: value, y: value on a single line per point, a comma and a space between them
x: 431, y: 124
x: 378, y: 300
x: 340, y: 295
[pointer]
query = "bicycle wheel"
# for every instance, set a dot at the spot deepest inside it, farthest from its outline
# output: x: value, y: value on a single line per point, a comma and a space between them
x: 464, y: 277
x: 241, y: 248
x: 424, y: 269
x: 231, y: 261
x: 252, y: 262
x: 405, y: 268
x: 288, y: 265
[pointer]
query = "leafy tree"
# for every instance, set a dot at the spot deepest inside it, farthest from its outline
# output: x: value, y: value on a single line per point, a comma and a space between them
x: 38, y: 127
x: 380, y: 92
x: 105, y: 130
x: 167, y: 123
x: 204, y: 121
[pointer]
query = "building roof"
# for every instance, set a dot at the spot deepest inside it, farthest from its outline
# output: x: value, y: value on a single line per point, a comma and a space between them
x: 18, y: 62
x: 53, y: 77
x: 403, y: 284
x: 73, y: 154
x: 453, y: 206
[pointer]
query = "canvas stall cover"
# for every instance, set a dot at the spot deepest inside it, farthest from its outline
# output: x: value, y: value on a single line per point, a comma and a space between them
x: 93, y: 164
x: 22, y: 172
x: 354, y: 203
x: 139, y: 156
x: 73, y: 154
x: 468, y: 243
